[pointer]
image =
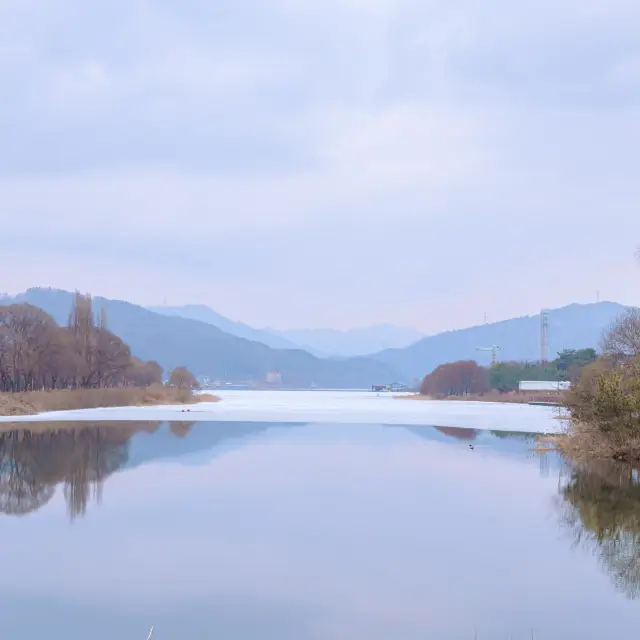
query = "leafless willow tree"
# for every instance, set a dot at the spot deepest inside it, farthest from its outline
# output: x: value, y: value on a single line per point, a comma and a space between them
x: 35, y: 353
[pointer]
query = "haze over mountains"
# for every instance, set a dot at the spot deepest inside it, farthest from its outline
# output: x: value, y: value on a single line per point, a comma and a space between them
x: 207, y: 314
x: 321, y: 342
x: 208, y: 351
x: 353, y: 342
x: 240, y: 352
x: 575, y: 326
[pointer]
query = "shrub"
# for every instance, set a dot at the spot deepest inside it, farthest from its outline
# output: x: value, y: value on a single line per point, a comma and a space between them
x: 605, y: 409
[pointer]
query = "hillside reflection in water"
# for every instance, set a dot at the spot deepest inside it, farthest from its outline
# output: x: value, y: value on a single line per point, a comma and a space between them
x: 312, y: 530
x: 80, y: 457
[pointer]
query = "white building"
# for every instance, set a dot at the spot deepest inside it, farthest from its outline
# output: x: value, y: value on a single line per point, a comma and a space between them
x: 543, y: 385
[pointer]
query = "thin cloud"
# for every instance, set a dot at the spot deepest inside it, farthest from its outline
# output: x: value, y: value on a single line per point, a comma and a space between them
x: 434, y: 144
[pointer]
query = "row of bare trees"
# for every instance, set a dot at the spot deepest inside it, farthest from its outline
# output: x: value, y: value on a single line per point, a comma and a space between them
x: 36, y: 353
x: 455, y: 379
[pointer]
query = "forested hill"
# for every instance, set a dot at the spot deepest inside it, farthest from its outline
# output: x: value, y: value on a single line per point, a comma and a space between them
x: 206, y: 350
x: 575, y: 326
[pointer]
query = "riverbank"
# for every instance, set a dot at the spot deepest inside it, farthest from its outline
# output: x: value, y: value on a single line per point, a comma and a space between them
x: 511, y: 397
x: 34, y: 402
x: 330, y: 407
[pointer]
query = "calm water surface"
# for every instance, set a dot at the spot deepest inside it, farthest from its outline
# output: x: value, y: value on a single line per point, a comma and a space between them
x: 263, y: 530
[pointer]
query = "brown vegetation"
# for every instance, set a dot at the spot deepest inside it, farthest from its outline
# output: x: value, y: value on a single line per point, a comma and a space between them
x: 32, y: 402
x: 605, y: 403
x: 455, y: 379
x: 493, y: 395
x: 622, y: 339
x: 510, y: 397
x: 35, y: 353
x: 44, y: 367
x: 182, y: 378
x: 466, y: 380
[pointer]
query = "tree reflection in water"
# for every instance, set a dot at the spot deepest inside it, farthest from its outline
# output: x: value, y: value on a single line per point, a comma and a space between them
x: 601, y: 507
x: 34, y: 462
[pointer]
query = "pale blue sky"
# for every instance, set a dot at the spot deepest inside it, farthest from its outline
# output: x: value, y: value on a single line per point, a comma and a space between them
x: 338, y: 163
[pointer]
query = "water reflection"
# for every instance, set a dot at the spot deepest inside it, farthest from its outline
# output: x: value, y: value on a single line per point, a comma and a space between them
x: 80, y: 457
x: 227, y: 529
x: 602, y: 509
x: 600, y: 504
x: 34, y: 463
x: 458, y: 434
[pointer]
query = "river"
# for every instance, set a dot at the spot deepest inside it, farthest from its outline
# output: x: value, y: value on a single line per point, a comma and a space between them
x: 352, y: 407
x: 298, y: 529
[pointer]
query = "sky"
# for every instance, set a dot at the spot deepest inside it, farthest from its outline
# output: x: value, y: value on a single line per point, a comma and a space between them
x: 325, y: 163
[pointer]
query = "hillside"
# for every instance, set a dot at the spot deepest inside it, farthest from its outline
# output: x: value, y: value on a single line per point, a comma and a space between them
x: 352, y: 342
x: 210, y: 316
x: 207, y: 350
x: 572, y: 327
x: 320, y: 342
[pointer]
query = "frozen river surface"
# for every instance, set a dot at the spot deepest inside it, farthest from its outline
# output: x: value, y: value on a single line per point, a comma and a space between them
x: 352, y: 407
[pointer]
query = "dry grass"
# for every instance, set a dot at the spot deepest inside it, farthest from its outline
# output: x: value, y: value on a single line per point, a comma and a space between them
x: 585, y: 442
x: 414, y: 396
x: 511, y: 397
x: 33, y: 402
x: 11, y: 405
x: 548, y: 442
x: 206, y: 397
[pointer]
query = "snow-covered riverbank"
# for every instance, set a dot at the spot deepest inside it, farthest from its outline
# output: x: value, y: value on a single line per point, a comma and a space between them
x: 329, y: 407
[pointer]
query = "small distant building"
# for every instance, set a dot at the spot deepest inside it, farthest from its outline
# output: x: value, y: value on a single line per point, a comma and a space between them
x: 394, y: 387
x: 544, y: 385
x: 274, y: 377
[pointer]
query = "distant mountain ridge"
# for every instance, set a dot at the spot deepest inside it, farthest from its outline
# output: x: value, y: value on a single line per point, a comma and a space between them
x: 323, y: 343
x: 173, y: 340
x: 206, y: 314
x: 351, y: 342
x: 209, y: 351
x: 572, y: 327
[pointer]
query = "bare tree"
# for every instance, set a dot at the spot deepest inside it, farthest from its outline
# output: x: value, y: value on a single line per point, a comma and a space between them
x: 182, y: 378
x: 622, y: 338
x: 111, y: 358
x: 143, y: 374
x: 455, y: 379
x: 35, y: 353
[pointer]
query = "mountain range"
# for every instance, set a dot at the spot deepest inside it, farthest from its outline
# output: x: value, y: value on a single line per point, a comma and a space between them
x: 323, y: 343
x: 207, y: 349
x: 575, y: 326
x: 207, y: 314
x: 352, y: 342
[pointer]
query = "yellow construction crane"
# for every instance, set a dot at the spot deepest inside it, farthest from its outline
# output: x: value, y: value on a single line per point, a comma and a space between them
x: 494, y: 353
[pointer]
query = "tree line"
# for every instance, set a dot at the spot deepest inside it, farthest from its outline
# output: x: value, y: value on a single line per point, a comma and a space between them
x: 467, y: 377
x: 36, y: 353
x: 33, y: 464
x: 601, y: 507
x: 605, y: 403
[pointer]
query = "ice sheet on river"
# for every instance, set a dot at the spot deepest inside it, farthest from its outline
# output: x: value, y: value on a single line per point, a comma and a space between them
x: 330, y: 407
